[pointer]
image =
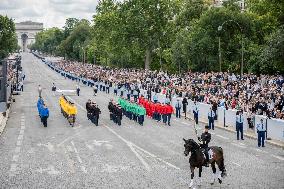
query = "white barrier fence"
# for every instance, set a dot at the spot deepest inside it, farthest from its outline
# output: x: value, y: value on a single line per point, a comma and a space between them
x: 275, y: 127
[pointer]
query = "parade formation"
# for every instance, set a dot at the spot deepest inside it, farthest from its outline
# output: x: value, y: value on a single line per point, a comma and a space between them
x: 130, y: 105
x: 136, y: 94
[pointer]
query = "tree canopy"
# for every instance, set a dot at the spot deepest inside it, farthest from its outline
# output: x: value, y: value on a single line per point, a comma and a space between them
x: 8, y: 38
x: 174, y: 35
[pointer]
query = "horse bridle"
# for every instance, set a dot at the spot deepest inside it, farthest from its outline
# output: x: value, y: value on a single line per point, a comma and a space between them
x: 191, y: 146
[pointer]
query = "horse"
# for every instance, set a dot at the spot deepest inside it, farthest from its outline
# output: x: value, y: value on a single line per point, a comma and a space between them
x: 197, y: 160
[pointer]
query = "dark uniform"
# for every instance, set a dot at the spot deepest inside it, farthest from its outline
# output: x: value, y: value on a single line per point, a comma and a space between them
x: 96, y: 113
x: 118, y: 115
x: 205, y: 139
x: 88, y: 108
x: 111, y: 109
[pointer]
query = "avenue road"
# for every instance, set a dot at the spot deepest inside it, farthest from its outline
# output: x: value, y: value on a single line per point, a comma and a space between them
x: 109, y: 156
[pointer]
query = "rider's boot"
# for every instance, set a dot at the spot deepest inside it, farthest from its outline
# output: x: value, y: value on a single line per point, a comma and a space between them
x: 206, y: 164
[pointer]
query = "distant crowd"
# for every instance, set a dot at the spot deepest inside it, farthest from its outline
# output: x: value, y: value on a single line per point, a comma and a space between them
x: 254, y: 94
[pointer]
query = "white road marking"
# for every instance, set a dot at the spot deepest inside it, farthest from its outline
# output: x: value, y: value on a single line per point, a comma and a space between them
x: 15, y: 157
x: 13, y: 169
x: 127, y: 142
x: 49, y: 146
x: 19, y: 142
x: 108, y: 146
x: 69, y: 148
x: 17, y: 149
x: 22, y: 131
x: 133, y: 145
x: 70, y: 162
x: 222, y: 137
x: 130, y: 145
x: 89, y: 146
x: 50, y: 170
x: 79, y: 158
x: 236, y: 164
x: 78, y: 127
x: 70, y: 137
x: 238, y: 145
x: 20, y: 137
x: 99, y: 143
x: 278, y: 157
x: 147, y: 167
x: 259, y: 150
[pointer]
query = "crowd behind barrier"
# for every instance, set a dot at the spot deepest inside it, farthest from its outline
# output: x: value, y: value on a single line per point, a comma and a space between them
x: 225, y: 115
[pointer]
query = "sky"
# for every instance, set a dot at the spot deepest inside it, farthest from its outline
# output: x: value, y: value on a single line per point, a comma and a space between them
x: 52, y: 13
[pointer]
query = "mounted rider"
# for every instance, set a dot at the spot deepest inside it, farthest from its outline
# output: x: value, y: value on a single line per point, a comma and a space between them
x: 205, y: 139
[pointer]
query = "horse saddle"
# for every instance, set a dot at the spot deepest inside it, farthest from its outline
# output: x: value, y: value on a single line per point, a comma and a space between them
x: 210, y: 153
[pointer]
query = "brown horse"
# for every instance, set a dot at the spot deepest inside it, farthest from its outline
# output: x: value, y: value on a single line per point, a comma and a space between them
x: 197, y: 160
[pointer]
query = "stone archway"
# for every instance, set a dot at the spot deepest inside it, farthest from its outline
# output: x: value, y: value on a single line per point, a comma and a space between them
x: 24, y: 38
x: 26, y: 32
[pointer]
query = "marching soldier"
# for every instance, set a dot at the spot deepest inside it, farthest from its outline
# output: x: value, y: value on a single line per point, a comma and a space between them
x: 111, y: 109
x: 89, y: 108
x: 261, y: 129
x: 169, y: 110
x: 96, y: 114
x: 44, y: 114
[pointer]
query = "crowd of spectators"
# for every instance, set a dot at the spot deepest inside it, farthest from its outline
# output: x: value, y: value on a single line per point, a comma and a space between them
x: 254, y: 94
x: 15, y: 75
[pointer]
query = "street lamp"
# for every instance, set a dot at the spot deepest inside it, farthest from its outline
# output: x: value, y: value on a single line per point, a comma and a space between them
x: 160, y: 54
x: 242, y: 44
x: 220, y: 58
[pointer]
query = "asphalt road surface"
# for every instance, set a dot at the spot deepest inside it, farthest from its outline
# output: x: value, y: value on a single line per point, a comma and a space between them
x: 109, y: 156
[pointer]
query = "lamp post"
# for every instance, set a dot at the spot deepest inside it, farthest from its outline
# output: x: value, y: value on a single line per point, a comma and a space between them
x: 160, y: 54
x: 242, y: 44
x: 219, y: 49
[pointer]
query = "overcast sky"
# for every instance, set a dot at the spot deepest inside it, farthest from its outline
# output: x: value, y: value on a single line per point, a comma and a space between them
x: 50, y: 12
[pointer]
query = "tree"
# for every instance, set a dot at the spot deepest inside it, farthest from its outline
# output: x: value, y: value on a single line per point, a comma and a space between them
x: 271, y: 59
x: 48, y: 41
x: 69, y: 26
x: 74, y: 45
x: 8, y: 38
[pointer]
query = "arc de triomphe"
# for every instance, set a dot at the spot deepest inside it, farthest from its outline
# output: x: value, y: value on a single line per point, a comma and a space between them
x: 26, y: 32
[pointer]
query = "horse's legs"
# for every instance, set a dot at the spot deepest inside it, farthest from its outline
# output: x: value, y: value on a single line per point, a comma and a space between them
x: 192, y: 176
x: 199, y: 176
x: 214, y: 172
x: 222, y: 168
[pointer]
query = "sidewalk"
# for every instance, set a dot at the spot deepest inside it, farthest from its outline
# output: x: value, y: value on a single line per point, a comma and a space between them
x: 3, y: 120
x: 248, y: 133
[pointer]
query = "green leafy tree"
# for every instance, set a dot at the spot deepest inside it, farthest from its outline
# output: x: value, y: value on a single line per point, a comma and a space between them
x: 8, y: 38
